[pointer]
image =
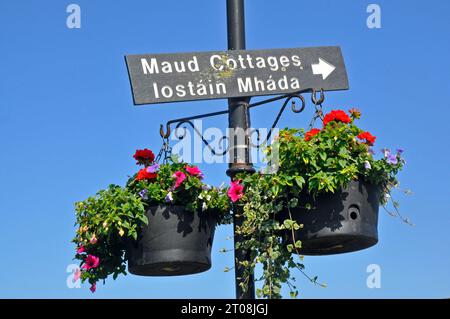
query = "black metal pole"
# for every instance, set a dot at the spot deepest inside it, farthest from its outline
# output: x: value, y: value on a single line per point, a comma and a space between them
x: 238, y: 123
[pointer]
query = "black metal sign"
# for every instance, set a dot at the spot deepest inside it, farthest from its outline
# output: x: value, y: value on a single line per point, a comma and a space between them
x: 160, y: 78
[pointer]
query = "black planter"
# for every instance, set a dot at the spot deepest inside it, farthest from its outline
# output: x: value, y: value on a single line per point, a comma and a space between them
x: 342, y: 222
x: 175, y: 242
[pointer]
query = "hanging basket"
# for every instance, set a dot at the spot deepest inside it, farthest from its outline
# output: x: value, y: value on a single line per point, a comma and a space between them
x: 342, y: 222
x: 175, y: 242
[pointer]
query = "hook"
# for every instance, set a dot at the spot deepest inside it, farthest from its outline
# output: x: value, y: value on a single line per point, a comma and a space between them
x: 314, y: 97
x: 299, y: 96
x: 161, y: 131
x: 287, y: 100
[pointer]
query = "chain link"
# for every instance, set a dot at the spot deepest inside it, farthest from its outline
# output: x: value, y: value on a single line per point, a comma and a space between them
x: 318, y: 114
x: 165, y: 152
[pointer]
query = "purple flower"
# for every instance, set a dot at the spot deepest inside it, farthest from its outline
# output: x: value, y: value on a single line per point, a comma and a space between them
x: 392, y: 159
x: 153, y: 169
x: 143, y: 194
x: 386, y: 152
x: 371, y: 151
x: 169, y: 197
x: 400, y: 151
x: 206, y: 187
x: 367, y: 165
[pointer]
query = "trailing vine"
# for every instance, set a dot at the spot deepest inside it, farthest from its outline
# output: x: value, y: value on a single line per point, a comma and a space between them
x: 316, y: 162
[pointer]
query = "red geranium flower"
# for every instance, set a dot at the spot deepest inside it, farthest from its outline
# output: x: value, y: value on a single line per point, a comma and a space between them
x: 313, y: 132
x: 144, y: 156
x: 337, y: 116
x: 144, y: 174
x: 369, y: 138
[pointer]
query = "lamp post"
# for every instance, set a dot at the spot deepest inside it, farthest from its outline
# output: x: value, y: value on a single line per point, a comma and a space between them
x: 238, y: 123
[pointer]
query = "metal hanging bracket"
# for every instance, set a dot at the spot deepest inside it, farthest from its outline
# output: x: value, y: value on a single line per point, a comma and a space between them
x: 316, y: 100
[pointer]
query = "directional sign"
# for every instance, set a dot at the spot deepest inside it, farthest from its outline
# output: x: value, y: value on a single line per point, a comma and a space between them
x: 160, y: 78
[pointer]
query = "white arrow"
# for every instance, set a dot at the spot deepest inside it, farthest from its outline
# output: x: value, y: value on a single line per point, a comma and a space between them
x: 323, y: 67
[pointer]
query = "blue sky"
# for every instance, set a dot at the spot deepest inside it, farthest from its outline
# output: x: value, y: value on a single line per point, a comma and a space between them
x: 68, y: 128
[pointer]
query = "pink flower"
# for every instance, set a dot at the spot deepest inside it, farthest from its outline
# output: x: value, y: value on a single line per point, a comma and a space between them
x: 76, y: 275
x: 93, y: 240
x: 80, y: 249
x: 194, y: 171
x: 91, y: 262
x: 236, y: 191
x: 93, y: 287
x: 180, y: 176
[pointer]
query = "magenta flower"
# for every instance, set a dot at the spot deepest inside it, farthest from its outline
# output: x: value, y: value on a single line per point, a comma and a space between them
x: 91, y: 262
x: 80, y: 249
x: 236, y: 191
x: 180, y: 176
x: 194, y: 171
x: 93, y: 287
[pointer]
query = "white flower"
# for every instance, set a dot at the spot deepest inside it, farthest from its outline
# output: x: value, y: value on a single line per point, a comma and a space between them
x: 208, y: 198
x: 200, y: 196
x: 204, y: 206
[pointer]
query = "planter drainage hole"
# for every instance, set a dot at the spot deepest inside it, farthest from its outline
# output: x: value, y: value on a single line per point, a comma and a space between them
x: 353, y: 212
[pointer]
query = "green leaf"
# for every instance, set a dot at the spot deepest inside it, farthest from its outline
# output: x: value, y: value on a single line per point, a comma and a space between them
x: 144, y: 219
x: 323, y: 156
x: 300, y: 181
x: 288, y: 223
x: 293, y: 202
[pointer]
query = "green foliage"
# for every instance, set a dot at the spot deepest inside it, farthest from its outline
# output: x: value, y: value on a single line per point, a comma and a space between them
x: 332, y: 158
x: 192, y: 193
x: 107, y: 221
x: 321, y: 163
x: 104, y: 222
